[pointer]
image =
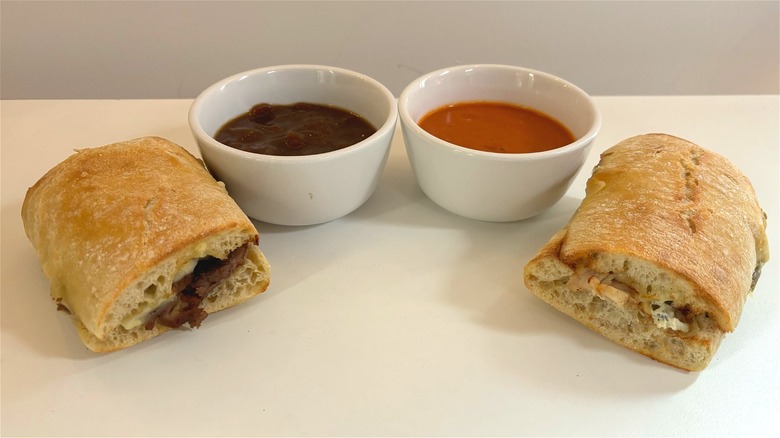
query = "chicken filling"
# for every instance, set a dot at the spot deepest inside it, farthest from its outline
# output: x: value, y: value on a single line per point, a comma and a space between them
x: 664, y: 314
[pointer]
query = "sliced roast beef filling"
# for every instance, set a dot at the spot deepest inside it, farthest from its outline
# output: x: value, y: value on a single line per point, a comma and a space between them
x: 190, y: 291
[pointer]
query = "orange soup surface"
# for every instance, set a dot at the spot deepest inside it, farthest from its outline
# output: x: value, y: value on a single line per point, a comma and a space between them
x: 496, y: 127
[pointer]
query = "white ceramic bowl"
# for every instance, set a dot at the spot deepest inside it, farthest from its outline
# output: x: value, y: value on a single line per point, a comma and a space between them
x: 298, y: 190
x: 493, y: 186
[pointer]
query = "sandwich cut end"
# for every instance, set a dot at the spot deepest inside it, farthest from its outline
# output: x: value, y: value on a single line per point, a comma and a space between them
x: 248, y: 276
x: 614, y: 310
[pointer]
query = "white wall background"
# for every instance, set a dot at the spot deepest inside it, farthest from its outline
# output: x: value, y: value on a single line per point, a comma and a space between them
x: 161, y: 49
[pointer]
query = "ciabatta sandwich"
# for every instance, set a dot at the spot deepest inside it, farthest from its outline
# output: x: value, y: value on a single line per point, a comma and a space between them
x: 137, y: 238
x: 661, y: 254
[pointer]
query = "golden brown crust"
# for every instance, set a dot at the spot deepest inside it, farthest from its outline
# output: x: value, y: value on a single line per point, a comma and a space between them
x: 105, y: 216
x: 680, y: 207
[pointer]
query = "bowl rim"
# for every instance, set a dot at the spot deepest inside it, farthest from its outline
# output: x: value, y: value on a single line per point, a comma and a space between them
x: 200, y: 134
x: 579, y: 143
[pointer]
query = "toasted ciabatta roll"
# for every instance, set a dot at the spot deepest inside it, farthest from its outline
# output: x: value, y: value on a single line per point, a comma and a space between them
x: 662, y: 252
x: 137, y: 238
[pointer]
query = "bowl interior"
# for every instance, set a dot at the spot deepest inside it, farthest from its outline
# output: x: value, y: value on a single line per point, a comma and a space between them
x: 233, y: 96
x: 543, y: 92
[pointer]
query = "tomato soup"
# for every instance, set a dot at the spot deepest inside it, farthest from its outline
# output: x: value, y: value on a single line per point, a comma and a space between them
x: 496, y: 127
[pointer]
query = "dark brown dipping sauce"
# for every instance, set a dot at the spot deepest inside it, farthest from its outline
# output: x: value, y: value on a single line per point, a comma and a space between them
x: 298, y: 129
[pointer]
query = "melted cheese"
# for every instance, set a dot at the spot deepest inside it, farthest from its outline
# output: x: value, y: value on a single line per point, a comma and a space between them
x: 185, y: 270
x: 663, y: 317
x: 138, y: 317
x: 144, y: 310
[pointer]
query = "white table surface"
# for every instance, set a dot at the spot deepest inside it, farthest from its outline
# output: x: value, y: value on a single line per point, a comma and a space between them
x: 398, y: 319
